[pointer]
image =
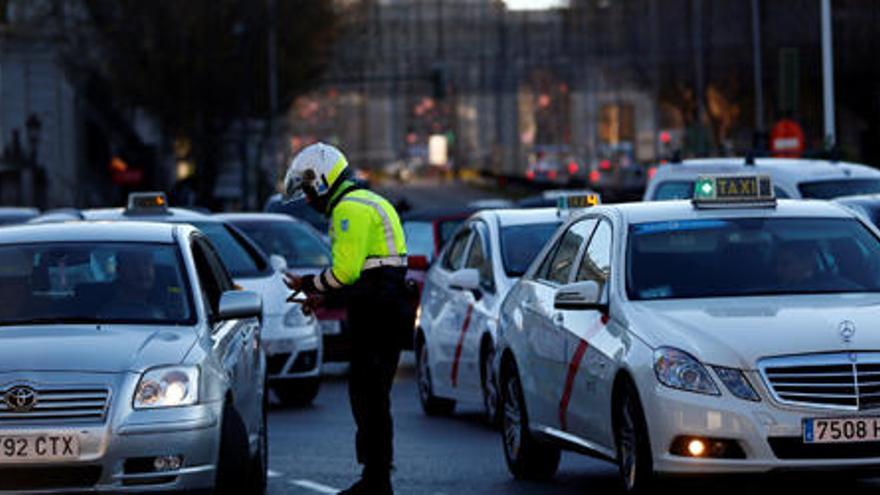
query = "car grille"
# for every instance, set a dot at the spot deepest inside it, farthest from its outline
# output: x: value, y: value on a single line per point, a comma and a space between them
x: 846, y: 381
x: 58, y: 404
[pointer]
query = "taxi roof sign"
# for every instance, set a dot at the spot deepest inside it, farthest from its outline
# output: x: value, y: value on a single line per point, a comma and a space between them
x: 722, y: 190
x: 147, y: 203
x: 572, y: 201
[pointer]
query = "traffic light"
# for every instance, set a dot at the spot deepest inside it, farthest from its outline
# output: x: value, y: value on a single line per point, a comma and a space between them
x: 438, y: 80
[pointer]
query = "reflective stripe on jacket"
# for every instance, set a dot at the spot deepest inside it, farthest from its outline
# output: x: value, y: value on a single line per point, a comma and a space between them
x: 363, y: 225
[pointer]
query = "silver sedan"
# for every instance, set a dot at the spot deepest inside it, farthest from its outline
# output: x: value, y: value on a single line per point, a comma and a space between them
x: 128, y: 363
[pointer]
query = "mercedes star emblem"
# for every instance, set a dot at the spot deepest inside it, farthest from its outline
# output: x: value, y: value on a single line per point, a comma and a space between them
x: 847, y: 331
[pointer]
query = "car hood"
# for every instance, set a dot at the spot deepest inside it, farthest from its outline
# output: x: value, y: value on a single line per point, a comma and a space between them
x: 738, y: 332
x: 90, y: 348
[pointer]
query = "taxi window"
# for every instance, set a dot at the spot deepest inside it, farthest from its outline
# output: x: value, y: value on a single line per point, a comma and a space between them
x: 596, y: 262
x: 94, y: 282
x: 452, y: 260
x: 478, y: 258
x: 830, y: 189
x: 751, y: 256
x: 521, y: 243
x: 559, y: 267
x: 240, y: 260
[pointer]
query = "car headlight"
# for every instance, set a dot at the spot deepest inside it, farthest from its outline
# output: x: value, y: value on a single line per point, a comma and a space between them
x: 296, y: 318
x: 168, y: 386
x: 677, y: 369
x: 737, y: 383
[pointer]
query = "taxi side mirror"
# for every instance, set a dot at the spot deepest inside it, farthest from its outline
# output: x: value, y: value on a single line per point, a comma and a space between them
x: 579, y: 296
x: 465, y: 279
x: 278, y: 263
x: 239, y: 305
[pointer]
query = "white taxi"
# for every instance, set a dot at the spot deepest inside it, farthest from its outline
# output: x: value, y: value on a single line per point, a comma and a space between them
x: 728, y: 334
x: 458, y: 316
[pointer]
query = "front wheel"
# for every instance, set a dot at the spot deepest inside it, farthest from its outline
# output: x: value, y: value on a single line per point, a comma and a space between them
x: 634, y: 458
x: 526, y: 457
x: 431, y: 404
x: 232, y: 473
x: 260, y: 462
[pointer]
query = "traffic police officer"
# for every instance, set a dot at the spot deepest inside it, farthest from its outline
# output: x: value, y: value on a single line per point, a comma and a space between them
x: 369, y: 264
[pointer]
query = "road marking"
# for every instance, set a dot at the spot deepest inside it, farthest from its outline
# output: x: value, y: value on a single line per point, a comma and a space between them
x: 273, y: 474
x: 459, y: 347
x: 315, y: 487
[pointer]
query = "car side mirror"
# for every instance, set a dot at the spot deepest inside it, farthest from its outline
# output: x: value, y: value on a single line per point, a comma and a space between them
x: 239, y: 305
x: 579, y: 296
x: 417, y: 262
x: 278, y: 263
x: 465, y: 279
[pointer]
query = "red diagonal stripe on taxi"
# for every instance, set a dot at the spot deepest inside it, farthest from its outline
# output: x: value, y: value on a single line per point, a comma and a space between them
x: 573, y: 368
x: 458, y: 348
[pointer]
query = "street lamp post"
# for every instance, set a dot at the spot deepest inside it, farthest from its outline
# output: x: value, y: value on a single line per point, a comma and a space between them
x: 828, y: 76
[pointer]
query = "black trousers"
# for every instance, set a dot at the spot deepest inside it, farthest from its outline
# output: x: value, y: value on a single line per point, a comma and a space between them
x: 378, y: 313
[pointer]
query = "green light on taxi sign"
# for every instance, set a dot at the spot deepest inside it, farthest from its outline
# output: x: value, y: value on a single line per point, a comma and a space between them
x: 733, y: 189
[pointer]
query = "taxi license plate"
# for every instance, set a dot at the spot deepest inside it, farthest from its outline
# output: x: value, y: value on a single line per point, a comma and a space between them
x: 39, y: 447
x: 841, y: 430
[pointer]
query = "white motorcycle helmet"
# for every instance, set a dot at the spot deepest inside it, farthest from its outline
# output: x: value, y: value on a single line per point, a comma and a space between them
x: 313, y: 172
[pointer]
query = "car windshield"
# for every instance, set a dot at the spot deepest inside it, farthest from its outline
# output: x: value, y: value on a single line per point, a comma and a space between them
x: 294, y: 242
x: 751, y: 256
x: 238, y: 258
x: 86, y: 282
x: 830, y: 189
x: 521, y: 243
x: 419, y: 238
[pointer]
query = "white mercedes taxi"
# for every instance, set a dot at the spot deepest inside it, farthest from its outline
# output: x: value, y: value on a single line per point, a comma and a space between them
x: 458, y: 316
x: 729, y: 334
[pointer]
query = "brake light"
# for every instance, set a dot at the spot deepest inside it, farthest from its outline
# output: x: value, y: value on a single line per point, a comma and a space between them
x: 551, y: 174
x: 595, y: 176
x: 652, y: 171
x: 530, y: 175
x: 572, y: 167
x: 605, y: 164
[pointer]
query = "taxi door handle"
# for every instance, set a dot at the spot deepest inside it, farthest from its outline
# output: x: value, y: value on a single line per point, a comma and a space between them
x: 559, y: 320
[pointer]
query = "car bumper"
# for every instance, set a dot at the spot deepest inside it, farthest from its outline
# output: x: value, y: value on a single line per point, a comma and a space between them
x: 113, y: 458
x: 293, y: 358
x: 768, y: 434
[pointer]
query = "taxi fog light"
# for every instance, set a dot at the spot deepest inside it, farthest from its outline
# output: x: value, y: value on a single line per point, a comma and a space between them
x: 708, y: 448
x: 170, y: 386
x: 679, y: 370
x: 737, y: 383
x: 167, y: 463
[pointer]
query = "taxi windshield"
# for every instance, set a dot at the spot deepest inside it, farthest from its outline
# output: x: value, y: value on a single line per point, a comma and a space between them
x: 295, y: 243
x: 84, y: 282
x: 830, y: 189
x: 751, y: 257
x: 521, y: 243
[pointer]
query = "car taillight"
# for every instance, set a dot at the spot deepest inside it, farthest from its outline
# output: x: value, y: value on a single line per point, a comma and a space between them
x: 605, y: 165
x: 530, y: 175
x: 652, y: 171
x: 551, y: 175
x: 595, y: 176
x: 572, y: 167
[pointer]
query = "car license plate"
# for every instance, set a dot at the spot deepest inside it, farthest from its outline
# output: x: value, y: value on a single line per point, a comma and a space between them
x: 331, y: 327
x: 39, y: 447
x: 841, y: 430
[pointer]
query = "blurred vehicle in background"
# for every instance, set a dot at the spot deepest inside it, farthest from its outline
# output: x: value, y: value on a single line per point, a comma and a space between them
x: 491, y: 204
x: 553, y: 165
x: 299, y: 210
x: 867, y: 205
x: 427, y: 230
x: 792, y: 178
x: 619, y: 178
x: 291, y: 339
x: 130, y: 363
x: 550, y: 199
x: 456, y: 328
x: 13, y: 215
x: 305, y: 253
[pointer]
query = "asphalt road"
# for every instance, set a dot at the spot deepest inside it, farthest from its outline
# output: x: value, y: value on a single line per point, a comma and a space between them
x: 311, y: 452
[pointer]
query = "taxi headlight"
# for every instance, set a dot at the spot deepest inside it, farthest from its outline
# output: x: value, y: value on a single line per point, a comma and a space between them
x: 677, y: 369
x: 295, y: 317
x: 169, y: 386
x: 737, y: 383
